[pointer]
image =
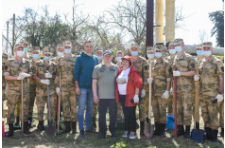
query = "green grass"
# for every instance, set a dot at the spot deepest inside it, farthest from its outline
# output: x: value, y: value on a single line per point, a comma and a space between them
x: 93, y: 141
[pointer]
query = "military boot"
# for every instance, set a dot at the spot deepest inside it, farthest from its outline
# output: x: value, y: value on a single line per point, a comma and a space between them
x: 142, y: 128
x: 40, y: 126
x: 26, y: 129
x: 162, y: 130
x: 187, y: 132
x: 74, y: 127
x: 10, y: 132
x: 17, y: 126
x: 67, y: 127
x: 214, y: 135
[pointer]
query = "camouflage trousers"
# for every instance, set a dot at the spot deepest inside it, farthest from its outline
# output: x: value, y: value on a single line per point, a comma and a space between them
x: 31, y: 103
x: 12, y: 101
x: 222, y: 114
x: 210, y: 112
x: 141, y: 107
x: 40, y: 102
x: 184, y: 109
x: 119, y: 111
x: 95, y: 110
x: 159, y: 109
x: 170, y: 105
x: 146, y: 99
x: 69, y: 106
x: 17, y: 110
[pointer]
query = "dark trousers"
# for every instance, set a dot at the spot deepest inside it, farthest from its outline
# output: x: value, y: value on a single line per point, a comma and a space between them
x: 103, y: 105
x: 129, y: 115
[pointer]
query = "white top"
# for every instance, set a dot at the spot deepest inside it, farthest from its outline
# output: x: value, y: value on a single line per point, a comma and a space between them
x: 122, y: 80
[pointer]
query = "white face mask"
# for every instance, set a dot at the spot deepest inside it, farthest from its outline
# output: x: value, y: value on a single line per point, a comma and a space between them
x: 20, y: 53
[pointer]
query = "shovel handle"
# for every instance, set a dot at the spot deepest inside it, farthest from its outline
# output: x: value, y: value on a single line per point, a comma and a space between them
x: 22, y: 125
x: 59, y: 100
x: 150, y: 93
x: 175, y: 102
x: 49, y: 108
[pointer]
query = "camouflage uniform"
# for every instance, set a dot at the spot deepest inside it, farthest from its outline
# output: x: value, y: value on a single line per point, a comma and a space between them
x: 13, y: 68
x: 161, y: 74
x: 68, y: 96
x: 185, y: 88
x: 4, y: 59
x: 170, y: 100
x: 210, y: 72
x: 141, y: 66
x: 40, y: 68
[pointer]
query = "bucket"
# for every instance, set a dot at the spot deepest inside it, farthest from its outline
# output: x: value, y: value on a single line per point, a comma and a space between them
x: 170, y: 125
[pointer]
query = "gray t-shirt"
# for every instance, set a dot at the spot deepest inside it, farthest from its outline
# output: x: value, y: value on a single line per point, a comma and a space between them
x: 106, y: 77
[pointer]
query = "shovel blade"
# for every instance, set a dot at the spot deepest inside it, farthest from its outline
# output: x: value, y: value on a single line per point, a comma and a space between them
x: 197, y: 135
x: 50, y: 130
x: 148, y: 130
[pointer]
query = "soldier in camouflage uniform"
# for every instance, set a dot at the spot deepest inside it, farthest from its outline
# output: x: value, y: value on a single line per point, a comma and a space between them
x: 212, y: 77
x: 161, y: 80
x: 170, y: 59
x: 35, y: 54
x: 186, y: 67
x: 44, y: 73
x: 140, y: 65
x: 68, y: 97
x: 15, y: 72
x: 4, y: 59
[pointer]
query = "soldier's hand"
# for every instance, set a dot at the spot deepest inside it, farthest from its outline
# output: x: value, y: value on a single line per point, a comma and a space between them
x: 218, y: 99
x: 143, y: 93
x: 176, y: 73
x: 136, y: 99
x: 165, y: 95
x: 20, y: 77
x: 45, y: 81
x: 196, y: 77
x: 58, y: 90
x: 171, y: 90
x: 150, y: 80
x: 48, y: 75
x: 78, y: 91
x: 96, y: 99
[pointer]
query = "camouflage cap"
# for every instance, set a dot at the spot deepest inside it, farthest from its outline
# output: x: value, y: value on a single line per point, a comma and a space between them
x: 209, y: 44
x: 159, y: 47
x: 23, y: 42
x: 178, y: 41
x: 119, y: 52
x: 59, y: 46
x: 35, y: 49
x: 18, y: 45
x: 171, y: 43
x: 67, y: 43
x: 47, y: 50
x: 135, y: 45
x: 150, y: 49
x: 199, y: 47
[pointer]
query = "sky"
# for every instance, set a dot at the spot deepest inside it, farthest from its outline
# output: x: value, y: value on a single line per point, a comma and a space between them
x: 196, y: 10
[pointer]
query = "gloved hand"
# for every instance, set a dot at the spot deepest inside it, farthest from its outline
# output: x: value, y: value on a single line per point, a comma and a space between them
x: 165, y: 95
x: 25, y: 75
x: 150, y: 80
x: 176, y: 73
x: 48, y: 75
x: 136, y: 99
x: 45, y: 81
x: 218, y: 99
x: 20, y: 77
x: 143, y: 93
x: 58, y: 90
x: 171, y: 90
x: 196, y: 77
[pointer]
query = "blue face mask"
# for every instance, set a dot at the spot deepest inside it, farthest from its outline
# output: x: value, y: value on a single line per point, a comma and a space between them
x: 67, y: 51
x: 158, y: 54
x: 35, y: 56
x: 172, y: 51
x: 99, y: 57
x: 134, y: 53
x: 178, y: 49
x: 199, y: 52
x: 61, y: 54
x: 206, y: 53
x: 118, y: 59
x: 25, y: 49
x: 150, y: 56
x: 47, y: 58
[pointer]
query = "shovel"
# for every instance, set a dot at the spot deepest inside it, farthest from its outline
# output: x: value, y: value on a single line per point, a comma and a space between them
x: 22, y: 126
x: 197, y: 135
x: 148, y: 127
x: 58, y: 113
x: 175, y: 103
x: 50, y: 129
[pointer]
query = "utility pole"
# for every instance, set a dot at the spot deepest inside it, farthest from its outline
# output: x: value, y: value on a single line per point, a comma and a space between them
x: 7, y: 36
x: 149, y: 23
x: 13, y: 33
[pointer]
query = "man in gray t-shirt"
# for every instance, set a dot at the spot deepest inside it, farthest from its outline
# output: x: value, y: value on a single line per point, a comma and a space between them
x: 103, y: 87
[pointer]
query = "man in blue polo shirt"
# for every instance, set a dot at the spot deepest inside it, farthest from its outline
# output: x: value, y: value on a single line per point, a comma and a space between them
x: 84, y: 66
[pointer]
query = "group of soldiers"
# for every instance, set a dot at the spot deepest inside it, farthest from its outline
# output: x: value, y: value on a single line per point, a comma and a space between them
x: 57, y: 73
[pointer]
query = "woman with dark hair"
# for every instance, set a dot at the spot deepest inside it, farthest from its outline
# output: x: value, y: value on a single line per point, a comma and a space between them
x: 128, y: 85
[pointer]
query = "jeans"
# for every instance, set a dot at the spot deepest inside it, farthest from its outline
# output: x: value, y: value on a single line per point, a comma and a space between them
x: 85, y: 98
x: 104, y: 104
x: 129, y: 115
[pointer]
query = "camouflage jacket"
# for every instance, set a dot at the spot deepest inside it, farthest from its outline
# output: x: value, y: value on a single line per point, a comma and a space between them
x: 141, y: 66
x: 40, y: 69
x: 210, y: 72
x: 32, y: 81
x: 13, y: 68
x: 66, y: 68
x: 4, y: 59
x: 161, y: 73
x: 185, y: 63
